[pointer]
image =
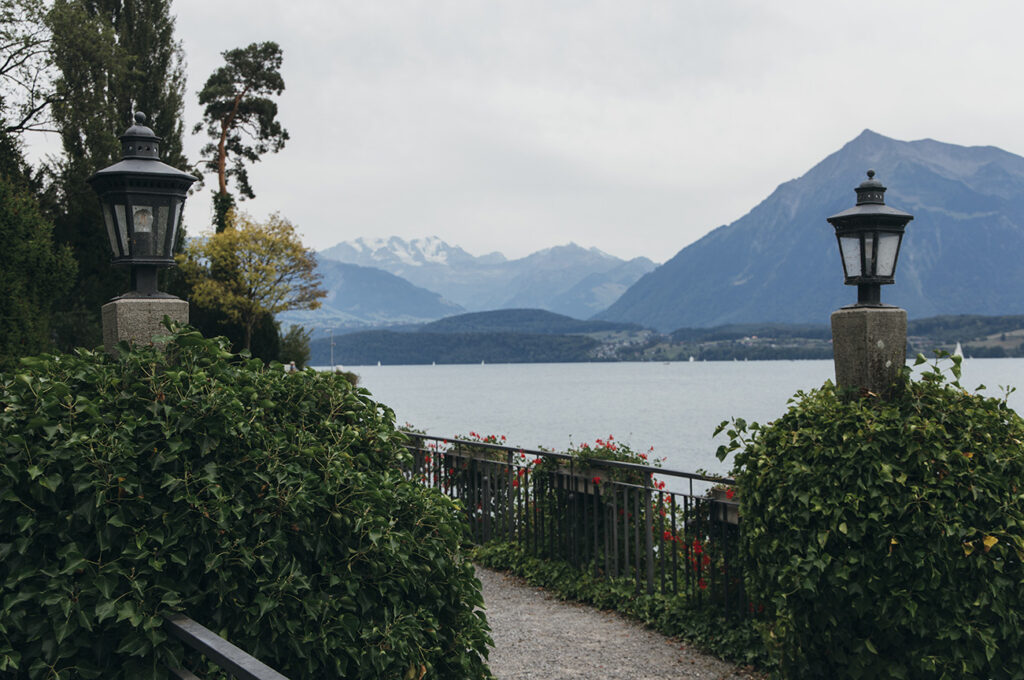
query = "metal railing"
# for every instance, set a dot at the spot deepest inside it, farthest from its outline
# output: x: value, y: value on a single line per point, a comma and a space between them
x: 613, y: 517
x: 231, y: 659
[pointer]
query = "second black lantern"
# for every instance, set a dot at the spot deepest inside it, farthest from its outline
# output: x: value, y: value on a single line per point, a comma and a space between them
x: 869, y: 235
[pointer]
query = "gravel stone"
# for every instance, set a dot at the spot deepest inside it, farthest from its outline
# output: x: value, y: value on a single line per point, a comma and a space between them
x: 540, y: 637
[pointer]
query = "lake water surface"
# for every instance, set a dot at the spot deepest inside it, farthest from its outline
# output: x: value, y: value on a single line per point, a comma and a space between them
x: 673, y: 407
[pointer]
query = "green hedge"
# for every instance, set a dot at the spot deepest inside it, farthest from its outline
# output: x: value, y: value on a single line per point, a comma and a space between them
x: 886, y: 538
x: 265, y: 505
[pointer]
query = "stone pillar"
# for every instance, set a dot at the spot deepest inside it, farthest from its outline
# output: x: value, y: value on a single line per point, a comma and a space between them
x: 139, y: 319
x: 869, y: 345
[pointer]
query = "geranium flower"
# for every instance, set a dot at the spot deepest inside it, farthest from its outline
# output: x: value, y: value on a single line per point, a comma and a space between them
x: 729, y: 493
x: 597, y: 480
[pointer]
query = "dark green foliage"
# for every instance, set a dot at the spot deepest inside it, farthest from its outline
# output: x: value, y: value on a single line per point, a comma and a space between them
x: 267, y: 505
x: 388, y: 347
x: 886, y: 539
x: 295, y: 346
x: 32, y: 270
x: 266, y: 340
x: 731, y: 639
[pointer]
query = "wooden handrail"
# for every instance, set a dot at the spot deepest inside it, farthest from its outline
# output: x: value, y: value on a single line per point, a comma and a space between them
x: 216, y: 649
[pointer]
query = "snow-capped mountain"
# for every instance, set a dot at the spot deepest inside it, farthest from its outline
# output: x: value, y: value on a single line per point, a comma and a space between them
x: 569, y: 279
x: 397, y: 253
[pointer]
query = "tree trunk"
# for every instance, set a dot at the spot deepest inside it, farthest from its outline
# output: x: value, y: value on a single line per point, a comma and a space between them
x: 249, y: 323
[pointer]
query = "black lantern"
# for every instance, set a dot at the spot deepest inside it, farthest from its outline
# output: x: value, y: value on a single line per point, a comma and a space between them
x: 142, y: 200
x: 869, y: 236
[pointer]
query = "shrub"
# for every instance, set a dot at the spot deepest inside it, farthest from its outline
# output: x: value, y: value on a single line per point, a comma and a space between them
x: 886, y: 537
x: 265, y: 505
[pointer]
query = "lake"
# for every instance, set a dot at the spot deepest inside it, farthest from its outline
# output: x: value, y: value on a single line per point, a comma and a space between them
x: 673, y: 407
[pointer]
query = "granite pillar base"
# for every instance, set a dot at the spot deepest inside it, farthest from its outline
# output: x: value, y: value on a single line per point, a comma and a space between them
x: 870, y: 346
x: 139, y: 320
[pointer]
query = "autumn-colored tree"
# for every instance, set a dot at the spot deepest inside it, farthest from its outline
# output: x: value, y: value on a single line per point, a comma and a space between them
x: 251, y: 269
x: 241, y: 118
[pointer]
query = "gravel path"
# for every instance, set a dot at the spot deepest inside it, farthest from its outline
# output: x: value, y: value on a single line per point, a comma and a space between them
x: 540, y: 637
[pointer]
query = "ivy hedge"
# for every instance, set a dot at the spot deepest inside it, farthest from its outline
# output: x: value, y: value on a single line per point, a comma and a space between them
x: 265, y: 505
x: 886, y: 538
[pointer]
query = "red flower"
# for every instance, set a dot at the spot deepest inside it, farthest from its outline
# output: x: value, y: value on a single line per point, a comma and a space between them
x: 597, y: 480
x: 522, y: 471
x: 643, y: 456
x: 702, y: 584
x: 428, y: 460
x: 667, y: 535
x: 729, y: 493
x: 515, y: 482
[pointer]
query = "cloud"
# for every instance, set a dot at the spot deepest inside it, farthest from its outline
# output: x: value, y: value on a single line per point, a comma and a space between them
x: 634, y: 127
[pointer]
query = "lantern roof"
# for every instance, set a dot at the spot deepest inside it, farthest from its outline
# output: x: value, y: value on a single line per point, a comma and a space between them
x: 870, y: 204
x: 140, y: 150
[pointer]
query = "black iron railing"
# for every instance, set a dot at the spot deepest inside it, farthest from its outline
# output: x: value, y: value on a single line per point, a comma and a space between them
x: 229, y: 658
x: 622, y: 520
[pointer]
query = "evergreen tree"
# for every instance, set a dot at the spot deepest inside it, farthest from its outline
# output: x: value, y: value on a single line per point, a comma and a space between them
x: 112, y: 57
x: 241, y: 119
x: 31, y: 269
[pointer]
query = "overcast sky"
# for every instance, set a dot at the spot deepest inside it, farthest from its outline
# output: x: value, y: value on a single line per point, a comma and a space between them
x: 635, y: 127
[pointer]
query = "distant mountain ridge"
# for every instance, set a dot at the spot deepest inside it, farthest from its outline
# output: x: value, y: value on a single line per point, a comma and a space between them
x: 569, y: 279
x: 365, y: 296
x: 533, y: 321
x: 780, y: 261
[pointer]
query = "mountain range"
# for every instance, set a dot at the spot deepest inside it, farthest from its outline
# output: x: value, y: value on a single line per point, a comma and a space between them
x: 780, y: 263
x: 570, y: 280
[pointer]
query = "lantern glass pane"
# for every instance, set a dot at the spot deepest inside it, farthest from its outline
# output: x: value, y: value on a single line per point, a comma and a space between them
x: 142, y: 234
x: 160, y: 238
x: 175, y: 219
x: 869, y: 255
x: 888, y: 247
x: 111, y: 231
x: 850, y: 247
x: 122, y: 228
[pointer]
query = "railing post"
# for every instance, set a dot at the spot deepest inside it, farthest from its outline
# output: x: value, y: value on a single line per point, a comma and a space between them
x: 510, y: 501
x: 649, y: 529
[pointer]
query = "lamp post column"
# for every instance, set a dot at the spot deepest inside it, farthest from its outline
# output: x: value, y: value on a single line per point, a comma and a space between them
x: 869, y: 339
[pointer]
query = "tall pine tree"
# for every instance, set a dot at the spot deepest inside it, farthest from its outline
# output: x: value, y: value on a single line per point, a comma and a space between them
x: 112, y: 57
